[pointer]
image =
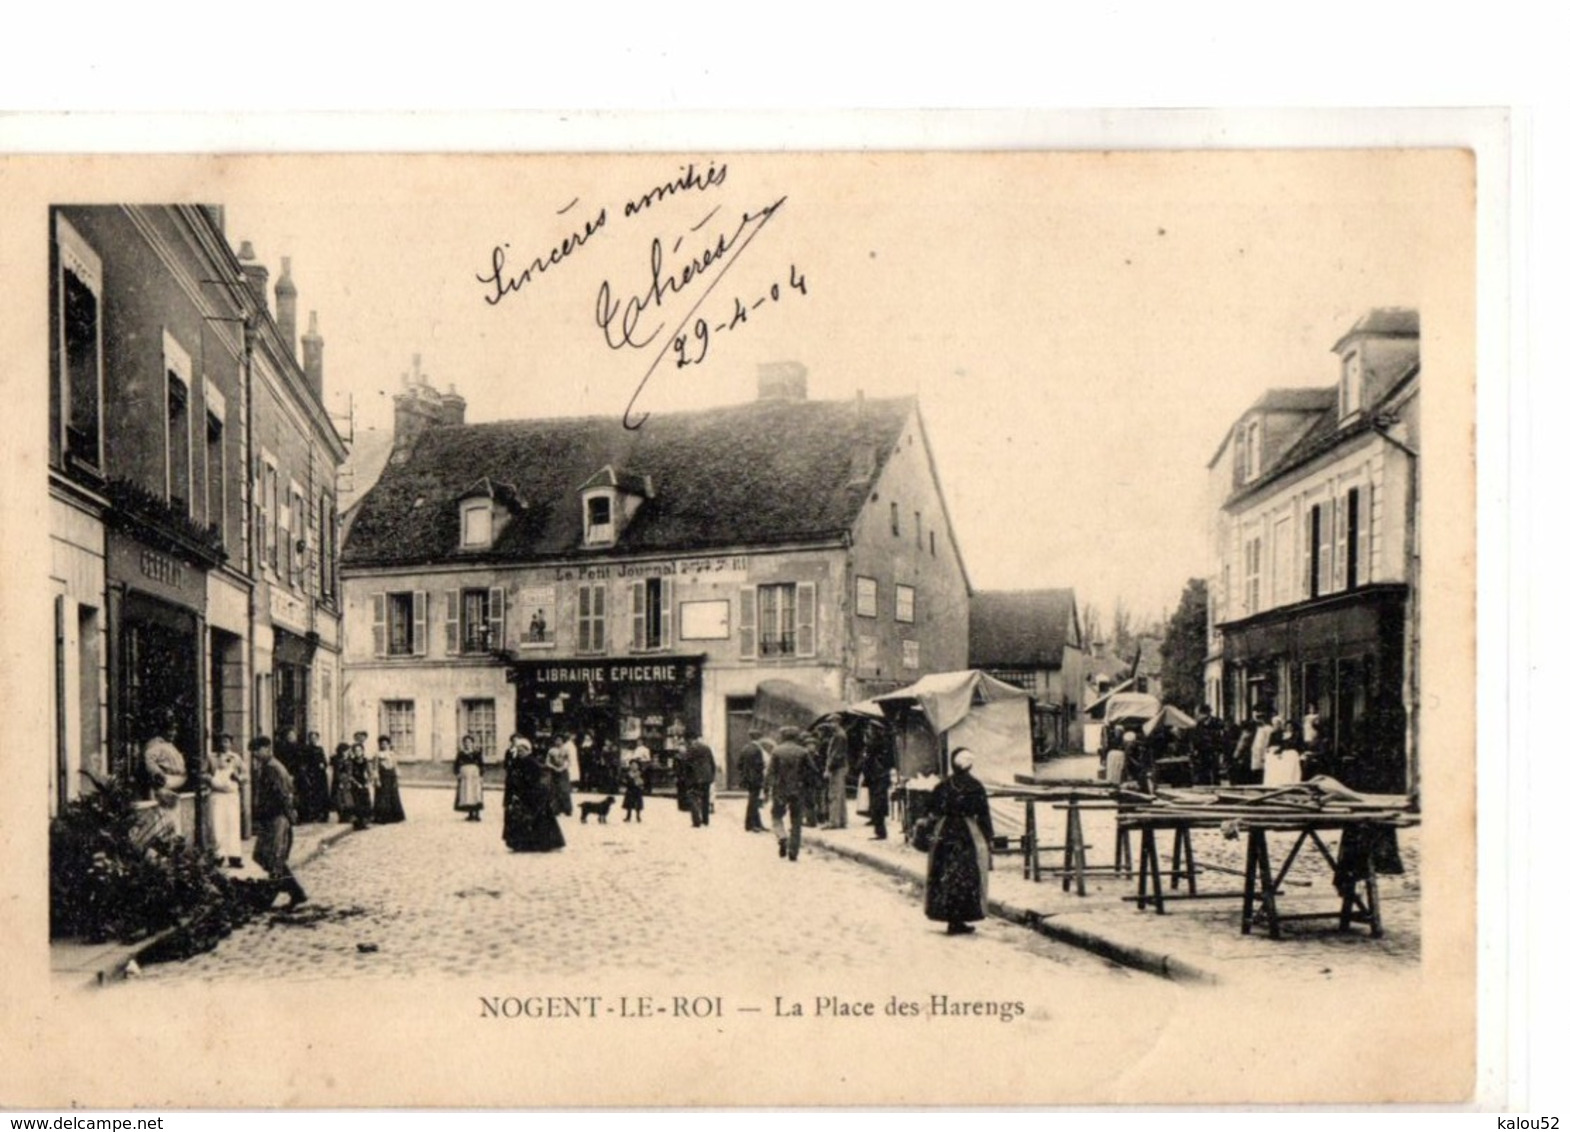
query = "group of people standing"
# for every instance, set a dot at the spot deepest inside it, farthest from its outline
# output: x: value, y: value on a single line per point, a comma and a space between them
x: 364, y: 786
x: 804, y: 777
x: 1266, y: 750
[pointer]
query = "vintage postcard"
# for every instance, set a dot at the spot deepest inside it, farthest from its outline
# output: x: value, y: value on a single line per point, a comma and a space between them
x: 715, y: 628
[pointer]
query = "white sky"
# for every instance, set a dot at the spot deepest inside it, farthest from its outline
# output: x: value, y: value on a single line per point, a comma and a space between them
x: 1080, y: 328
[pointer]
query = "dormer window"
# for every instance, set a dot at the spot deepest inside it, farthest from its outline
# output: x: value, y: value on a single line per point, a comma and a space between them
x: 477, y: 524
x: 1351, y: 383
x: 597, y: 528
x: 611, y: 497
x: 483, y: 513
x: 1251, y: 450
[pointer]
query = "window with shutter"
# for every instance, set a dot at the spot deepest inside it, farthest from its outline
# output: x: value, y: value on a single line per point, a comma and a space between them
x: 667, y: 591
x: 806, y: 619
x: 1354, y: 540
x: 452, y: 622
x: 498, y: 617
x: 1338, y: 581
x: 418, y: 623
x: 591, y: 618
x: 747, y: 623
x: 640, y: 635
x: 379, y: 623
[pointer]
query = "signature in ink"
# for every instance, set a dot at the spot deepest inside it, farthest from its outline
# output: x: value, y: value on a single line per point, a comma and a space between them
x: 504, y: 282
x: 620, y: 320
x: 692, y: 349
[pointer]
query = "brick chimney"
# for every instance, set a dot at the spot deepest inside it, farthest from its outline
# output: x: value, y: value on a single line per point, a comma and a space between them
x: 255, y: 274
x: 864, y: 457
x: 311, y: 347
x: 287, y: 294
x: 415, y: 409
x: 782, y: 381
x: 453, y: 406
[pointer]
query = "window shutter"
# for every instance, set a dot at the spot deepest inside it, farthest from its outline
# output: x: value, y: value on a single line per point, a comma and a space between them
x: 583, y: 618
x: 667, y: 604
x: 640, y: 611
x: 1310, y: 532
x: 379, y: 623
x: 598, y: 593
x: 1339, y: 582
x: 452, y: 622
x: 806, y: 619
x: 747, y: 623
x: 1365, y: 527
x: 497, y: 619
x: 417, y: 646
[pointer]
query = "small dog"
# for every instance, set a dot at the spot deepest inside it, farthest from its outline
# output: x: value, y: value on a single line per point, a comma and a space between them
x: 600, y: 809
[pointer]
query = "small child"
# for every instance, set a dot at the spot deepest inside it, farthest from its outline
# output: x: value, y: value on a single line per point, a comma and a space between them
x: 632, y: 800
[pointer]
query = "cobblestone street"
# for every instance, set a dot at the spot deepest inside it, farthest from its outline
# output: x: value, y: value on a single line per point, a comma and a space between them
x: 441, y: 896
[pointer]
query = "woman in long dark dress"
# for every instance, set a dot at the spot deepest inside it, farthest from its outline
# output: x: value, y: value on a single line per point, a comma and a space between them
x: 529, y: 823
x: 469, y: 768
x: 315, y: 801
x: 389, y: 802
x: 961, y: 848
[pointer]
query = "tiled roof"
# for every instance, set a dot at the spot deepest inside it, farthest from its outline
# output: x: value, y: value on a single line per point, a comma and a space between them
x: 1299, y: 400
x: 762, y: 473
x: 1021, y: 628
x: 1396, y: 322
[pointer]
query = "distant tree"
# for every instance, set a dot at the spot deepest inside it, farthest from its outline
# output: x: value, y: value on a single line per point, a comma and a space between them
x: 1123, y: 635
x: 1183, y: 649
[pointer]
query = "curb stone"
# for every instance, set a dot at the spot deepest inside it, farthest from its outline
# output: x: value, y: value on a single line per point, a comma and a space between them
x: 1127, y: 955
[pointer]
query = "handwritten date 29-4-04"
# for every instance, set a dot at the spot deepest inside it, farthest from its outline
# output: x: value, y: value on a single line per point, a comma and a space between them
x: 691, y: 348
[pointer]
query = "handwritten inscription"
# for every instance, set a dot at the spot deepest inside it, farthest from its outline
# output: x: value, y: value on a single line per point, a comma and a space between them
x: 659, y: 311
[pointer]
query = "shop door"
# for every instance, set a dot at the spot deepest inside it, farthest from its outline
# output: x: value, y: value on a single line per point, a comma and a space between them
x: 159, y: 677
x: 738, y: 720
x: 291, y: 691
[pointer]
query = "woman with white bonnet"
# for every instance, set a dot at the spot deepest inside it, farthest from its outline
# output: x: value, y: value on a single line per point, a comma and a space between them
x: 961, y: 849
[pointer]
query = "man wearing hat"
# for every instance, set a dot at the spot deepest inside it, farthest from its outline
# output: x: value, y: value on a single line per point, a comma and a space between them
x: 750, y: 765
x: 787, y: 785
x: 273, y: 810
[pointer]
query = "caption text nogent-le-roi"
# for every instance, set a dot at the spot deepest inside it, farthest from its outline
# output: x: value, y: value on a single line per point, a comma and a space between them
x: 596, y: 1007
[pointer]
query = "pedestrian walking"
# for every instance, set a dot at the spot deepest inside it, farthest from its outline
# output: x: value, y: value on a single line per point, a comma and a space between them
x: 468, y: 767
x: 961, y: 850
x: 529, y: 818
x: 225, y: 777
x: 698, y: 770
x: 877, y: 771
x: 389, y: 801
x: 836, y: 764
x: 750, y: 767
x: 786, y: 782
x: 274, y: 811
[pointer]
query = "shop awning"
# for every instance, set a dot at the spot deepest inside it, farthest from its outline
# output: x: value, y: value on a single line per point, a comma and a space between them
x: 785, y: 703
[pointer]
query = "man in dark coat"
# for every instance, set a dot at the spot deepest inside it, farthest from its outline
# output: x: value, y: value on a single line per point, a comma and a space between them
x: 787, y: 786
x: 877, y: 769
x: 698, y: 770
x: 750, y: 766
x: 272, y: 807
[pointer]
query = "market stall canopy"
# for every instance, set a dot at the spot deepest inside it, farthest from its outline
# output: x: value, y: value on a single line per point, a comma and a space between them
x: 1131, y: 707
x: 974, y: 710
x: 1175, y: 718
x: 785, y: 703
